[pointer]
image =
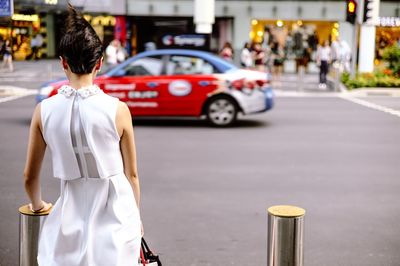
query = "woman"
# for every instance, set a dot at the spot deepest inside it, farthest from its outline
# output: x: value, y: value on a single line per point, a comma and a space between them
x: 258, y: 57
x: 246, y: 59
x: 324, y: 57
x: 7, y: 55
x: 278, y: 55
x: 227, y: 52
x: 96, y: 220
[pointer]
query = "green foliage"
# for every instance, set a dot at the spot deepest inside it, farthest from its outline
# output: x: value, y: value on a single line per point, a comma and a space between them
x: 392, y: 55
x: 365, y: 80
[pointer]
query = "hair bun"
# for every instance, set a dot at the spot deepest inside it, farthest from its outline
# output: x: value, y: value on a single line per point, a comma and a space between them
x: 75, y: 21
x: 80, y: 46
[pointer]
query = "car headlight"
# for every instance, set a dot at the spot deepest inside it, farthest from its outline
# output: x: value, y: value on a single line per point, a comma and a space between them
x: 45, y: 91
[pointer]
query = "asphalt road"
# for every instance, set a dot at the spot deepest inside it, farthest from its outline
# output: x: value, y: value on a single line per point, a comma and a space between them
x: 205, y: 191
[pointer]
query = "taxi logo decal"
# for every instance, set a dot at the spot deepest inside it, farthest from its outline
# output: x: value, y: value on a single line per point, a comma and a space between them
x: 142, y: 94
x: 180, y: 88
x: 114, y: 87
x: 143, y: 104
x: 119, y: 95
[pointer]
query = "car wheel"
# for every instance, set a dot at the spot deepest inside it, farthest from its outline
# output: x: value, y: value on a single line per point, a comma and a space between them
x: 221, y: 111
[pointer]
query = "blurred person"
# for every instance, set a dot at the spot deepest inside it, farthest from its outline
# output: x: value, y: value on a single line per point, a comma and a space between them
x: 150, y: 46
x: 7, y: 55
x: 258, y: 57
x: 121, y: 53
x: 1, y: 47
x: 96, y: 220
x: 227, y: 51
x: 324, y: 58
x: 278, y: 57
x: 34, y: 48
x: 246, y: 59
x: 36, y: 45
x: 335, y: 49
x: 112, y: 52
x: 39, y: 43
x: 345, y: 55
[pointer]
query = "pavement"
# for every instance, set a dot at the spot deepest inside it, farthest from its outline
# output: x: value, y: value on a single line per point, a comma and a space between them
x: 205, y: 191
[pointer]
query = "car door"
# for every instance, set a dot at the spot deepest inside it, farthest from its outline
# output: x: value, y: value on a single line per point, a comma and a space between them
x: 190, y: 80
x: 138, y: 85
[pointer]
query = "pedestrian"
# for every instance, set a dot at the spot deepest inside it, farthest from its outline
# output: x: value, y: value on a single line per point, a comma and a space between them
x: 112, y: 53
x: 34, y: 47
x: 7, y: 55
x: 258, y: 57
x: 246, y: 59
x: 121, y: 53
x: 227, y: 51
x: 278, y: 57
x: 39, y: 44
x: 324, y: 58
x: 96, y: 220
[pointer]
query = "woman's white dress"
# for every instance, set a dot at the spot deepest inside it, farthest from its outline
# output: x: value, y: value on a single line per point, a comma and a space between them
x: 95, y: 221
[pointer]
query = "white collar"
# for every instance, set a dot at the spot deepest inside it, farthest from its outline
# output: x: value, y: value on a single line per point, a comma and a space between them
x: 83, y: 92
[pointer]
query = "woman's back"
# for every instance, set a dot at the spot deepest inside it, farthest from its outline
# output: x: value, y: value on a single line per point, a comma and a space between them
x: 96, y: 219
x: 96, y: 206
x: 88, y: 117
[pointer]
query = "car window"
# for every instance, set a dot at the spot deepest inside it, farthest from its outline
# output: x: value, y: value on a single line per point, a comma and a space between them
x: 188, y: 65
x: 146, y: 66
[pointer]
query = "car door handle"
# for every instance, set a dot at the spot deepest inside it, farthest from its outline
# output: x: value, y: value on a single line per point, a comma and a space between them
x: 204, y: 83
x: 152, y: 84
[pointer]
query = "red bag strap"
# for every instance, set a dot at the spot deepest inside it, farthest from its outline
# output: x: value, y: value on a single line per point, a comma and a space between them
x: 142, y: 257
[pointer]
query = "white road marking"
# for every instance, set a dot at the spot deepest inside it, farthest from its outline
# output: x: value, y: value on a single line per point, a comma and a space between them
x: 371, y: 105
x: 14, y: 93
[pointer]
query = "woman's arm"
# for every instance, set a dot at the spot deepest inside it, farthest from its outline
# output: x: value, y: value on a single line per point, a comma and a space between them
x: 35, y: 154
x: 128, y: 148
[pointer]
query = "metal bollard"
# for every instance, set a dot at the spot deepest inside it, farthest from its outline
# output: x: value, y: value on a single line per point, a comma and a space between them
x: 29, y: 228
x: 285, y: 236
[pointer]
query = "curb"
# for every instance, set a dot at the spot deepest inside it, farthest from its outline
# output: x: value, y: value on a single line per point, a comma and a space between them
x: 366, y: 92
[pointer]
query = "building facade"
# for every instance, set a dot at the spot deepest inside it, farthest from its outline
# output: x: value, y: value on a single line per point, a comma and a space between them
x: 238, y: 21
x: 47, y: 18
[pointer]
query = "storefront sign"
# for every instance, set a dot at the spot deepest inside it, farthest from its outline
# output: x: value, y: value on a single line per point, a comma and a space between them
x: 389, y: 22
x: 51, y: 2
x: 198, y: 41
x: 184, y: 40
x: 6, y: 8
x: 23, y: 17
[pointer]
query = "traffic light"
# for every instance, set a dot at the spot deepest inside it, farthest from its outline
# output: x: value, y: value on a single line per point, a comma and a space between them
x: 371, y: 11
x: 351, y: 11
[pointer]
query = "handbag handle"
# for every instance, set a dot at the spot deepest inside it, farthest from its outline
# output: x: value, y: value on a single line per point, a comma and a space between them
x: 142, y: 257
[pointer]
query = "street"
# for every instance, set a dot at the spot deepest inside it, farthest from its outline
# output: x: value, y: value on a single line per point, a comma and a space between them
x: 205, y: 191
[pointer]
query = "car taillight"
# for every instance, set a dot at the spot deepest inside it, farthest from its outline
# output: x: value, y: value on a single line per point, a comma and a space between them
x: 261, y: 82
x: 237, y: 84
x: 250, y: 84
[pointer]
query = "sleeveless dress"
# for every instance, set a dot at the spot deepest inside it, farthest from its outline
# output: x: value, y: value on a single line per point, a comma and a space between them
x: 95, y: 221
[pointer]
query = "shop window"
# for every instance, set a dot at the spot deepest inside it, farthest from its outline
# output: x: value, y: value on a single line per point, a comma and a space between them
x: 188, y: 65
x: 147, y: 66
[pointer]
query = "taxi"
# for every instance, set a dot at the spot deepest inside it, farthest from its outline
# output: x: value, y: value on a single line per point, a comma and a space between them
x: 175, y: 82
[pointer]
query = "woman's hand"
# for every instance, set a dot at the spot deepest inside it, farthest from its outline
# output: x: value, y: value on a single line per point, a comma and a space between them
x: 41, y: 208
x: 141, y: 227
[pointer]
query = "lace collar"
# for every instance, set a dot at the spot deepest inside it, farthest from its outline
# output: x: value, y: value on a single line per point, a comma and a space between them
x: 83, y: 92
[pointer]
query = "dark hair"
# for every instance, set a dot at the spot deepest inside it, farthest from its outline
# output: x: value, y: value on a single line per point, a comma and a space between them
x: 80, y: 46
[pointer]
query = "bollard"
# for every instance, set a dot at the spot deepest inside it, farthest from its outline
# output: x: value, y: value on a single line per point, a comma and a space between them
x: 29, y: 228
x: 285, y: 236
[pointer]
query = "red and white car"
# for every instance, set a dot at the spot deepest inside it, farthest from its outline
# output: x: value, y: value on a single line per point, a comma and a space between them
x: 183, y: 83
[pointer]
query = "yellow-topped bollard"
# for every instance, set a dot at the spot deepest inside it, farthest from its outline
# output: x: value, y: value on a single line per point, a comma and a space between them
x: 285, y: 235
x: 29, y: 229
